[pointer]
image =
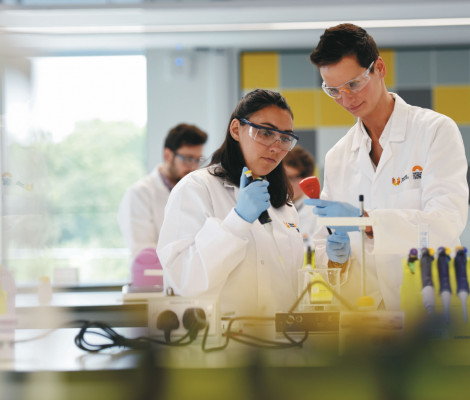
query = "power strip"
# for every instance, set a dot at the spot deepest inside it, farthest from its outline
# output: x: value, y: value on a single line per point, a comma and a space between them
x: 178, y: 305
x: 320, y: 321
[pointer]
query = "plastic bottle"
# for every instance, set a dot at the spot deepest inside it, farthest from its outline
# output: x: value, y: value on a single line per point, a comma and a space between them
x: 7, y: 292
x: 44, y: 290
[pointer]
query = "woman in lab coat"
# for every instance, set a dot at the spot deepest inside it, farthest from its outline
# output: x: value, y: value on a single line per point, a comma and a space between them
x: 211, y: 241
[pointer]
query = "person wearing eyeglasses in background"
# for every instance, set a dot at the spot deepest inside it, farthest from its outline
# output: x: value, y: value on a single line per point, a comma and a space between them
x: 299, y: 164
x: 408, y: 162
x: 140, y: 214
x: 212, y: 242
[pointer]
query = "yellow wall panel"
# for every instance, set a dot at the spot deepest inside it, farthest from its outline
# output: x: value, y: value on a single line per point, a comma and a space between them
x: 333, y: 114
x: 389, y: 59
x: 259, y: 70
x: 303, y: 105
x: 453, y: 101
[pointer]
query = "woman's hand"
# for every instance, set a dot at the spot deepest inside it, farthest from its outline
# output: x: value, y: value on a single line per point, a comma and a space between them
x: 253, y: 198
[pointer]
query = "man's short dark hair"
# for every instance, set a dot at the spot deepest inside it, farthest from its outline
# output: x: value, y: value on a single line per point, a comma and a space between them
x: 184, y: 135
x: 300, y: 159
x: 345, y: 40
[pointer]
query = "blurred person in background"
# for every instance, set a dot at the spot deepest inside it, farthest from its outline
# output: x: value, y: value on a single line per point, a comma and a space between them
x: 299, y: 164
x: 140, y: 214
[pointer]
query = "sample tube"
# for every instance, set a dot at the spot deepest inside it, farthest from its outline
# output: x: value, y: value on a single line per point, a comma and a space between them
x: 443, y: 259
x: 460, y: 265
x: 427, y: 258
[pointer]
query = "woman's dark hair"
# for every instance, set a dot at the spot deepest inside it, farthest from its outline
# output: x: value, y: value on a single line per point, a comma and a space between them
x: 345, y: 40
x: 230, y: 155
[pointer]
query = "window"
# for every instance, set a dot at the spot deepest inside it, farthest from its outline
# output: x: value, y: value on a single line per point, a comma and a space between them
x: 63, y: 177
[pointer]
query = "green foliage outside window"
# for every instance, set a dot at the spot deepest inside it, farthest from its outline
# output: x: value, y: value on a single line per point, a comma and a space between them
x: 69, y: 218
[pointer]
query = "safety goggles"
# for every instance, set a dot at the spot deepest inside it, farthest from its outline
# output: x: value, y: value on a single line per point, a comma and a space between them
x: 350, y: 87
x: 190, y: 161
x: 268, y: 136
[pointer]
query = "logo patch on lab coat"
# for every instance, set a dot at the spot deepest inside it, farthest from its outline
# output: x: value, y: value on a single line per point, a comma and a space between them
x: 397, y: 181
x: 291, y: 225
x: 417, y: 172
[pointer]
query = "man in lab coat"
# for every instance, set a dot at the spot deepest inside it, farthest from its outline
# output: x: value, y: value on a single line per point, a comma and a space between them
x: 408, y: 162
x: 141, y: 210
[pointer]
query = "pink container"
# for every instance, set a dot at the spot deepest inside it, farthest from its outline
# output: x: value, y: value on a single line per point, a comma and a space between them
x: 147, y: 270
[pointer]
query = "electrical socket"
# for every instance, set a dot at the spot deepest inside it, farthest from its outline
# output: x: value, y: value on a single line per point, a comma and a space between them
x: 179, y: 304
x: 320, y: 321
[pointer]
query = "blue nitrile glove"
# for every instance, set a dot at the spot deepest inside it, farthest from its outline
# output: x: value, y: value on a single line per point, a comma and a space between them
x: 327, y: 208
x: 253, y: 199
x: 338, y: 247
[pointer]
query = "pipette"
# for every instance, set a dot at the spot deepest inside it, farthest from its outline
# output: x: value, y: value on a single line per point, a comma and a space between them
x: 460, y: 264
x: 412, y: 258
x: 429, y: 300
x: 264, y: 217
x: 443, y: 259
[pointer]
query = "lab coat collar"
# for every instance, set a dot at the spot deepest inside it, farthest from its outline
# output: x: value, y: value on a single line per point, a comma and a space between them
x: 226, y: 183
x: 399, y: 119
x: 159, y: 178
x: 397, y: 130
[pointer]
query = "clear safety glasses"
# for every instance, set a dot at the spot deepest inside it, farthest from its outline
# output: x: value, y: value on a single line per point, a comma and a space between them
x: 190, y: 161
x: 350, y: 87
x: 268, y: 136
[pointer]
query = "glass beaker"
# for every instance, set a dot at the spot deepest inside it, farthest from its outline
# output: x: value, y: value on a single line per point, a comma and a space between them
x: 322, y: 285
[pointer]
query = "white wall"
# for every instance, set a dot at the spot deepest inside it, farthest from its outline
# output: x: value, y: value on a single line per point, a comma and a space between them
x: 202, y: 91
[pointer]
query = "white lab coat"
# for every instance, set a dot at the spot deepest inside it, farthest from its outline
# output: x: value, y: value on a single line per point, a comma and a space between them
x: 307, y: 221
x: 141, y: 212
x: 437, y: 195
x: 206, y: 248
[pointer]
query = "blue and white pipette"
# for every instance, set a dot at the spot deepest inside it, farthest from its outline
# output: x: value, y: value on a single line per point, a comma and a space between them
x: 429, y: 300
x: 460, y: 264
x: 443, y: 259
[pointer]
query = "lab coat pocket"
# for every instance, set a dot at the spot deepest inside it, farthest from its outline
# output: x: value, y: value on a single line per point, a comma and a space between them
x: 410, y: 199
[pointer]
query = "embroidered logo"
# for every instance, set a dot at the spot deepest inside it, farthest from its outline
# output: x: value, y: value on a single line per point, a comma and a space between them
x: 291, y: 225
x: 417, y: 172
x: 396, y: 182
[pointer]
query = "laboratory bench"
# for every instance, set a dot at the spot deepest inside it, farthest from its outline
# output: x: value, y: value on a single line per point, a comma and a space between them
x: 53, y: 367
x: 67, y: 306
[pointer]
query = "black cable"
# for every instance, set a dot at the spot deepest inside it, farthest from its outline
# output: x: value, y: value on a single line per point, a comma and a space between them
x: 266, y: 343
x: 240, y: 336
x: 117, y: 340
